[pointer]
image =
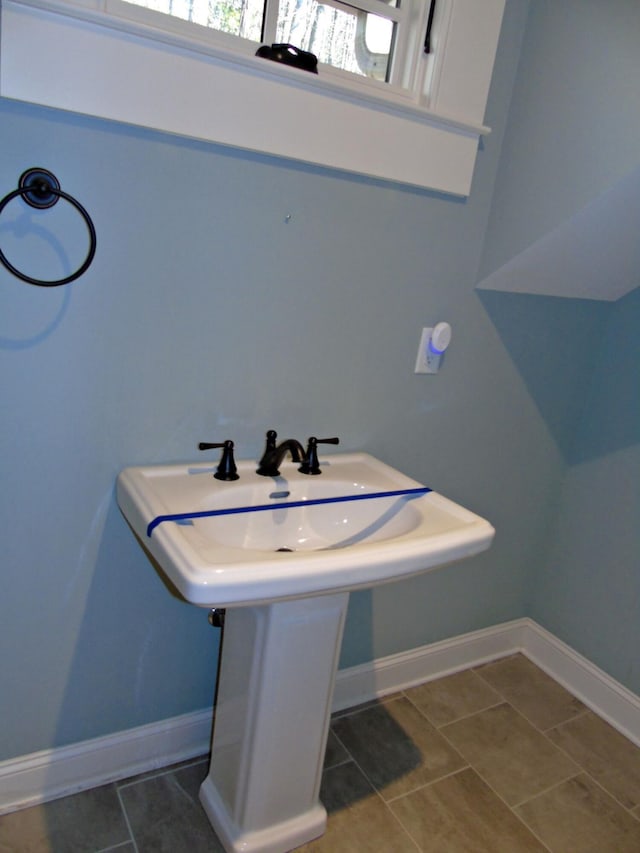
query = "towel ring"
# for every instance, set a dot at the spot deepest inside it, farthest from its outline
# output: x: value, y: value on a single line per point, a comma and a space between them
x: 41, y: 189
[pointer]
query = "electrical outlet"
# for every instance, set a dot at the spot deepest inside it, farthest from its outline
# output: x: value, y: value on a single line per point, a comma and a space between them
x: 422, y: 359
x: 433, y: 342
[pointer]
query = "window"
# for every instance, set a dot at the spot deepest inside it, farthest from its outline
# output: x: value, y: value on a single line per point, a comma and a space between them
x: 378, y: 106
x: 243, y: 18
x: 367, y: 38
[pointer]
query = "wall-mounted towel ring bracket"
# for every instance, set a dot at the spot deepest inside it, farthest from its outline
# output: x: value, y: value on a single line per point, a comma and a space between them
x: 40, y: 188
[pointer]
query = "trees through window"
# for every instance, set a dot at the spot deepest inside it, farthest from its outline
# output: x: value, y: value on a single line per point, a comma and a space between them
x: 362, y: 37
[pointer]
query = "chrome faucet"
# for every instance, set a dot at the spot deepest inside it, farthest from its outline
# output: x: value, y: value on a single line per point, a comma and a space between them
x: 273, y: 455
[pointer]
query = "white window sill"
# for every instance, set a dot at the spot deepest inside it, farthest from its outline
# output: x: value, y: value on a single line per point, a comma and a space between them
x: 100, y: 66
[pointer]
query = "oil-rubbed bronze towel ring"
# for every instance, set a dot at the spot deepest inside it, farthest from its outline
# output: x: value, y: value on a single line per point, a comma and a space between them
x: 41, y: 189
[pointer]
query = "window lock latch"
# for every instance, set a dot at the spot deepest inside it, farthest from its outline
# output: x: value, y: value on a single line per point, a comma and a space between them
x: 427, y: 35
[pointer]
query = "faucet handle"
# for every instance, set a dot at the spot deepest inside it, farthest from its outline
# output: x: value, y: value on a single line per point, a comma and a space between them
x: 271, y: 440
x: 269, y: 446
x: 226, y: 470
x: 310, y: 464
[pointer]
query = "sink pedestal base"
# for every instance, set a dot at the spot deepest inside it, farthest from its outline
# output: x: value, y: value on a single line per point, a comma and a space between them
x: 271, y: 722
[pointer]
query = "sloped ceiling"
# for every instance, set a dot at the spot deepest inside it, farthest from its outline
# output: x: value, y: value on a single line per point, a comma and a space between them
x: 565, y: 216
x: 594, y: 254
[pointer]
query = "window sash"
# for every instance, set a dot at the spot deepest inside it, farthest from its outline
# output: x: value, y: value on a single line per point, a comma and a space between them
x: 404, y: 57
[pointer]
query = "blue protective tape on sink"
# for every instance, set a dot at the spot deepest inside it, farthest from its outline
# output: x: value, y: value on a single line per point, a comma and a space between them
x: 236, y: 510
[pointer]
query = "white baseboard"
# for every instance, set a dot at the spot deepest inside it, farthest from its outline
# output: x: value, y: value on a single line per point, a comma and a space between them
x: 609, y: 699
x: 53, y: 773
x: 397, y: 672
x: 603, y: 694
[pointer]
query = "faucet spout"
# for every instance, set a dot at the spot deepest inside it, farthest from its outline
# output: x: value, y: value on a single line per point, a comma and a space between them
x: 272, y: 458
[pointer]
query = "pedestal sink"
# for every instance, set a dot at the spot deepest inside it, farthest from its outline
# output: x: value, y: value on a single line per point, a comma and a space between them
x: 281, y: 555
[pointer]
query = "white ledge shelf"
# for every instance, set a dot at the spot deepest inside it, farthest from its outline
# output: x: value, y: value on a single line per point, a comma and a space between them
x: 81, y: 60
x: 593, y: 255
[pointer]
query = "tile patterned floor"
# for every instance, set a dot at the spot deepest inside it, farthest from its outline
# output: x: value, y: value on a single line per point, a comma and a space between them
x: 495, y: 759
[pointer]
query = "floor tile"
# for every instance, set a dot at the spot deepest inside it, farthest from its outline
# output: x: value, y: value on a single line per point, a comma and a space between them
x: 167, y: 768
x: 444, y: 763
x: 359, y: 821
x: 166, y: 816
x: 512, y: 756
x: 81, y: 823
x: 577, y: 816
x: 396, y: 747
x: 605, y: 754
x: 370, y: 703
x: 461, y: 814
x: 335, y: 752
x: 448, y: 699
x: 539, y: 698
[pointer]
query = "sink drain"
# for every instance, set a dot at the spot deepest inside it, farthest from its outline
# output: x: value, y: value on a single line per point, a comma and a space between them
x: 289, y: 550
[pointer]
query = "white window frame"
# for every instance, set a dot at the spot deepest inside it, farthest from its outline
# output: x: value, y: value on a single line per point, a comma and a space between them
x: 85, y: 57
x: 409, y: 74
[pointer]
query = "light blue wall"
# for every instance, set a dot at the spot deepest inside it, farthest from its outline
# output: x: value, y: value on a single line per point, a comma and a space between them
x: 574, y: 120
x: 205, y: 315
x: 574, y: 132
x: 588, y: 592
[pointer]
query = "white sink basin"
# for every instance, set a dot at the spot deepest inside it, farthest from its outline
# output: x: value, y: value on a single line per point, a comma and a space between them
x: 283, y: 553
x: 263, y: 539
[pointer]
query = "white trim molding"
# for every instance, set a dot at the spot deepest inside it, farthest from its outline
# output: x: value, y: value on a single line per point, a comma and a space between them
x: 407, y: 669
x: 53, y: 773
x: 80, y: 57
x: 597, y: 690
